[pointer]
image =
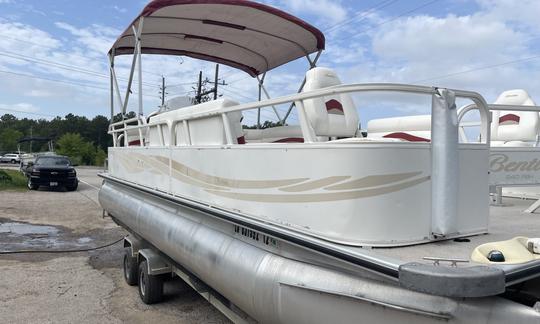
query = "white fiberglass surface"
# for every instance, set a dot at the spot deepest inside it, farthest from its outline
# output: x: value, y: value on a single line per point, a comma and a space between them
x: 376, y: 194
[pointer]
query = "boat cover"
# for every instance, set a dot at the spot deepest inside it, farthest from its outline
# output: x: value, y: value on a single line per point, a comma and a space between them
x: 247, y: 35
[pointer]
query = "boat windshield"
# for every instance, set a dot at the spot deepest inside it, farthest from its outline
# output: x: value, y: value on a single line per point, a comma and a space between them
x: 52, y: 161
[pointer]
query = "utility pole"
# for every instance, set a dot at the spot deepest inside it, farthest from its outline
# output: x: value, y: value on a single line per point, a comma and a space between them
x: 214, y: 90
x: 162, y: 91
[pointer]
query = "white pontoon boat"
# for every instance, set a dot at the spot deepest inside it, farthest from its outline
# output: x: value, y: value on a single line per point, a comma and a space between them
x: 30, y: 157
x: 307, y: 223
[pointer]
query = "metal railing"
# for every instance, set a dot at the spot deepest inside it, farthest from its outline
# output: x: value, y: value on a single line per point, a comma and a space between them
x: 298, y: 99
x: 122, y: 133
x: 491, y: 107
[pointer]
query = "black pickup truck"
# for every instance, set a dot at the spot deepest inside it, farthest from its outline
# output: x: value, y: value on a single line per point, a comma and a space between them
x: 51, y: 171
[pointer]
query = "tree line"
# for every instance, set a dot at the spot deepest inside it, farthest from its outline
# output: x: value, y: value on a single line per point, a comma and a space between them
x: 84, y: 140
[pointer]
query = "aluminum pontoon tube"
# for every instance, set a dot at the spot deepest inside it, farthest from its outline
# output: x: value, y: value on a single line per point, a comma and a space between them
x: 444, y: 162
x: 275, y: 289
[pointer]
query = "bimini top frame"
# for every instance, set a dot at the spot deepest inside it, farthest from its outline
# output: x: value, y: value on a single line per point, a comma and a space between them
x: 250, y: 36
x: 243, y: 34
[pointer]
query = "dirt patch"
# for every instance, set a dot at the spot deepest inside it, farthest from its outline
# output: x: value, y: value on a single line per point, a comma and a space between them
x: 63, y: 290
x: 85, y: 287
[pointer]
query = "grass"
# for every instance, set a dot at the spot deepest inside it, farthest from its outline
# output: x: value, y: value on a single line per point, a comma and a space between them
x: 12, y: 180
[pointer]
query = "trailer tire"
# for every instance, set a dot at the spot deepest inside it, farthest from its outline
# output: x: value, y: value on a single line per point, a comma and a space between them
x: 130, y: 268
x: 150, y: 286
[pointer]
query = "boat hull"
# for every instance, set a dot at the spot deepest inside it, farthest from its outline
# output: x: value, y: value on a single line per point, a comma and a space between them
x: 376, y: 194
x: 257, y: 277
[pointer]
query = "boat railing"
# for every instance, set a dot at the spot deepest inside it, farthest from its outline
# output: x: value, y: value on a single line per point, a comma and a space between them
x: 491, y: 107
x: 120, y: 129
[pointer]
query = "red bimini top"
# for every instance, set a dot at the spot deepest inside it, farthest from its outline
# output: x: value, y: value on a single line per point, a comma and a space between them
x: 247, y: 35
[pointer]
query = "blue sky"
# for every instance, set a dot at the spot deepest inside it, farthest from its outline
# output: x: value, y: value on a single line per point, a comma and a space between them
x: 485, y: 45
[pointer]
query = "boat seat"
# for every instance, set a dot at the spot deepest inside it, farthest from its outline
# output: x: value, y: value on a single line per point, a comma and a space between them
x: 280, y: 134
x: 408, y: 128
x: 515, y: 127
x: 202, y: 131
x: 330, y: 116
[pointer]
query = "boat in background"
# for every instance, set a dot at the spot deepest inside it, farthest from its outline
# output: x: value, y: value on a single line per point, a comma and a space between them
x: 30, y: 157
x: 308, y: 222
x: 514, y: 163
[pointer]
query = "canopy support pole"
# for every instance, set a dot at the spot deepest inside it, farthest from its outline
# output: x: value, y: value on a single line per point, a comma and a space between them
x: 312, y: 64
x: 136, y: 54
x: 263, y: 88
x: 139, y: 65
x: 118, y: 95
x: 261, y: 81
x: 111, y: 76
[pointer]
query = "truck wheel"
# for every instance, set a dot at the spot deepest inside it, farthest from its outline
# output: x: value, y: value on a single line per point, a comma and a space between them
x: 30, y: 185
x: 150, y: 287
x: 72, y: 188
x: 130, y: 269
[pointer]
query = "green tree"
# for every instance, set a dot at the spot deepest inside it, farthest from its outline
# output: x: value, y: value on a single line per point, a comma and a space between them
x: 100, y: 157
x: 76, y: 148
x: 9, y: 138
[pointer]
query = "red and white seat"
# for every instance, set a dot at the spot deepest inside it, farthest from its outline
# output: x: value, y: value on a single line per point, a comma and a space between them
x: 514, y: 128
x: 408, y: 128
x: 508, y: 128
x: 330, y: 117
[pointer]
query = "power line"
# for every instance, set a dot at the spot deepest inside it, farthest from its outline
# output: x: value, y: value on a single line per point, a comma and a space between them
x: 52, y: 47
x: 64, y: 81
x: 26, y: 112
x: 240, y: 79
x: 181, y: 84
x: 479, y: 68
x: 401, y: 15
x: 280, y: 109
x: 28, y: 42
x: 62, y: 66
x: 267, y: 114
x: 362, y: 14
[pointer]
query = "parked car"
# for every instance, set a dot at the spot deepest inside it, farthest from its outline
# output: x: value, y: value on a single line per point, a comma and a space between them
x: 51, y: 171
x: 10, y: 158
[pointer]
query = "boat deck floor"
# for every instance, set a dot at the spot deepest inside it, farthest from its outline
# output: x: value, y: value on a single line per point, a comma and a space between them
x: 505, y: 223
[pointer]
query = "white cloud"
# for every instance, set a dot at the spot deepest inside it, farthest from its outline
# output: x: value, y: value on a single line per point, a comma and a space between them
x: 524, y: 13
x: 19, y: 107
x: 25, y: 38
x: 457, y: 40
x: 407, y: 49
x: 40, y: 93
x: 119, y: 9
x: 440, y: 49
x: 323, y: 9
x: 96, y: 38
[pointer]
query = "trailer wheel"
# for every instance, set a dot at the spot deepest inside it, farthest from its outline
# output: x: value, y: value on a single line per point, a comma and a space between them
x: 130, y: 269
x: 150, y: 286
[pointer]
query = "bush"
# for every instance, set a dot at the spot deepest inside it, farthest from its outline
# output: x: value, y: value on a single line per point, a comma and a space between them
x: 11, y: 179
x: 77, y: 149
x: 100, y: 157
x: 4, y: 177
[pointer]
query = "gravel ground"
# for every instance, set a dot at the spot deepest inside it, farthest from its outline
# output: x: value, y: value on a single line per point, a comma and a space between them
x: 78, y: 287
